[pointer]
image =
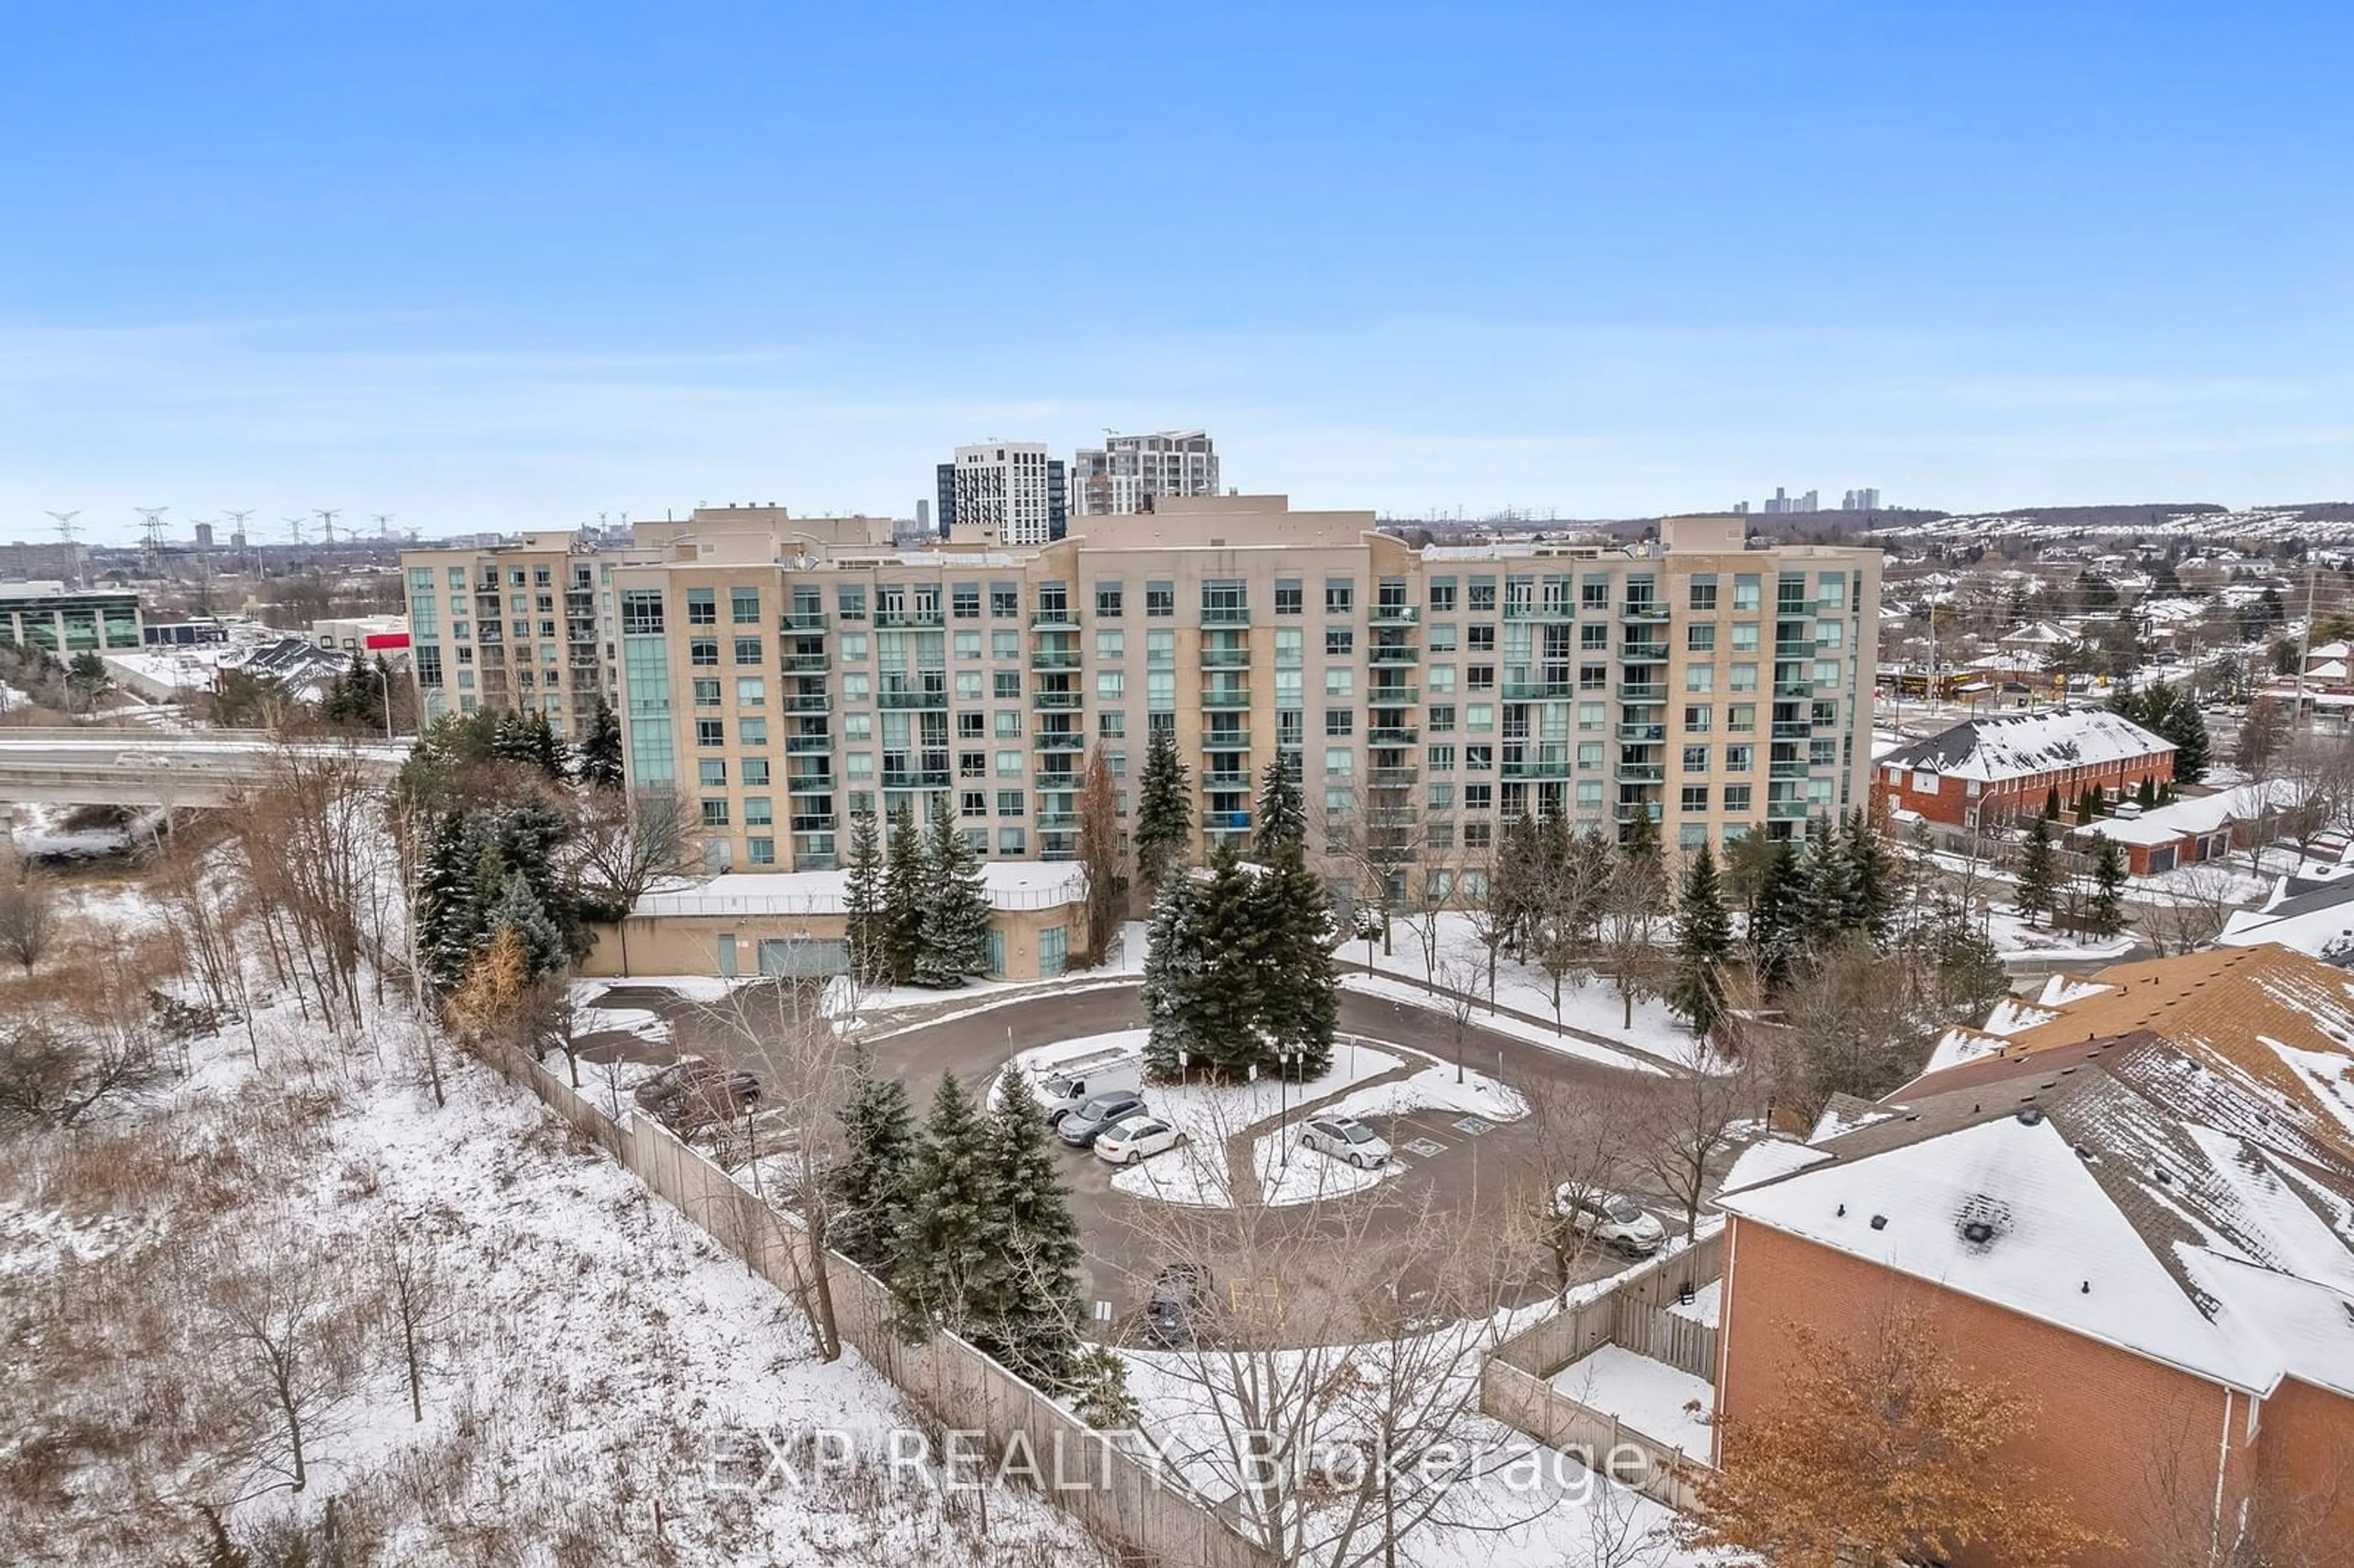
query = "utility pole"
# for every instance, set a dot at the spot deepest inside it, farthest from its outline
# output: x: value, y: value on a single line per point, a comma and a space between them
x: 2305, y: 650
x: 65, y: 521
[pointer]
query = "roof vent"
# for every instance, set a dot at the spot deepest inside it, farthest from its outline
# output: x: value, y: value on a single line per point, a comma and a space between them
x: 1879, y: 1221
x: 2031, y: 1117
x: 2162, y: 1175
x: 2086, y: 1289
x: 1977, y: 1233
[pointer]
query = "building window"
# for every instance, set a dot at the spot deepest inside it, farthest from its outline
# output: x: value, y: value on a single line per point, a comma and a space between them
x: 702, y: 606
x: 1289, y: 596
x: 714, y: 813
x: 744, y: 605
x: 964, y: 601
x: 1339, y: 596
x: 703, y: 651
x: 1159, y: 599
x: 1736, y: 798
x: 706, y: 692
x: 641, y: 612
x: 1111, y: 726
x: 1442, y: 595
x: 1702, y: 594
x: 1112, y: 646
x: 1339, y: 721
x: 711, y: 773
x: 1005, y: 602
x: 1339, y: 642
x: 1695, y: 759
x: 850, y: 603
x: 1107, y: 600
x: 1009, y: 802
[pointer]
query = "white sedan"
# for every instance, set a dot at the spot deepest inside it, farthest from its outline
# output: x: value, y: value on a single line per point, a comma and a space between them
x: 1346, y: 1138
x: 1137, y: 1138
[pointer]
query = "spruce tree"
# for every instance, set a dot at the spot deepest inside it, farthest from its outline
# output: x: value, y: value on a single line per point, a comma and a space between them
x: 1173, y: 979
x: 952, y: 927
x: 2187, y: 728
x: 2145, y: 793
x: 1282, y: 812
x: 1034, y: 1330
x: 1776, y: 917
x: 601, y: 752
x: 904, y: 876
x: 862, y: 903
x: 2038, y: 876
x: 950, y: 1268
x: 2051, y: 804
x: 518, y: 909
x: 1822, y: 892
x: 1299, y: 1002
x: 1239, y: 954
x: 1164, y: 809
x: 2104, y: 914
x: 1871, y: 877
x: 450, y: 904
x: 868, y: 1189
x: 1704, y: 941
x: 1641, y: 837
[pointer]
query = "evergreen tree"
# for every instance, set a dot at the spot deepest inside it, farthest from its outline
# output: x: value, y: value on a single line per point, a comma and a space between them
x: 1640, y: 838
x: 904, y: 876
x: 1776, y: 917
x: 1704, y: 941
x: 1282, y: 813
x: 1871, y: 878
x: 449, y: 910
x: 1239, y: 958
x: 2038, y: 876
x: 601, y: 752
x: 950, y: 1268
x: 864, y: 922
x: 518, y: 909
x: 868, y: 1188
x: 1173, y: 979
x: 1164, y: 809
x: 1970, y: 973
x: 1821, y: 892
x: 952, y: 927
x: 2194, y: 754
x: 1300, y: 1003
x: 2051, y: 804
x: 2104, y: 914
x: 1034, y: 1330
x: 2146, y: 795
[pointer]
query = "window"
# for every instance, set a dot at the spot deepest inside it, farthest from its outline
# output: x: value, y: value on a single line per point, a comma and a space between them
x: 853, y: 648
x: 1442, y: 717
x: 714, y: 813
x: 1111, y: 685
x: 1008, y: 765
x: 1736, y: 798
x: 972, y: 803
x: 703, y: 650
x: 850, y: 603
x: 1479, y: 758
x: 641, y: 612
x: 1009, y: 802
x: 1745, y: 591
x: 1589, y: 754
x: 1005, y: 645
x: 1340, y: 682
x: 711, y: 773
x: 1339, y: 642
x: 968, y: 690
x: 1739, y: 758
x: 1442, y: 679
x: 706, y: 692
x: 964, y: 601
x: 1593, y: 592
x: 1695, y: 798
x: 711, y: 732
x: 1744, y: 676
x: 1695, y: 759
x: 1441, y: 797
x: 1442, y: 595
x: 967, y: 644
x: 1481, y: 640
x: 702, y: 606
x: 759, y: 811
x: 1339, y: 721
x: 1111, y: 726
x: 1740, y: 717
x: 1289, y: 596
x: 1441, y: 639
x: 752, y: 732
x: 1289, y: 647
x: 1830, y: 589
x: 744, y: 605
x: 1005, y: 602
x: 1439, y: 758
x: 1697, y: 716
x: 1107, y: 600
x: 751, y: 691
x: 1159, y: 649
x: 756, y: 771
x: 1700, y: 677
x: 857, y: 689
x: 1012, y: 842
x: 1700, y: 639
x: 1479, y: 677
x: 972, y: 764
x: 1703, y: 591
x: 1224, y: 598
x: 1594, y: 637
x: 1478, y: 797
x: 1340, y: 762
x: 1009, y: 724
x: 1111, y: 645
x: 1483, y: 596
x: 1008, y: 685
x: 1480, y: 716
x: 1159, y: 599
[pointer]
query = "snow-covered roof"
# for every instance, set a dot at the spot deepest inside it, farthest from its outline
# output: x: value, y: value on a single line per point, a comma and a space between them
x: 1012, y: 884
x: 2105, y: 1189
x: 2192, y: 816
x: 2004, y: 746
x: 2317, y: 922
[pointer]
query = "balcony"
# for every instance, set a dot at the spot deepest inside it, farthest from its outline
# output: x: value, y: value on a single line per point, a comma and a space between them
x: 1540, y: 609
x: 815, y: 861
x: 1392, y: 654
x: 1786, y: 810
x: 1535, y: 691
x: 1787, y: 770
x: 1642, y: 691
x: 1055, y: 658
x: 1392, y: 615
x: 1792, y: 731
x: 1055, y: 701
x: 810, y: 703
x: 809, y: 783
x: 1390, y: 817
x: 1794, y: 690
x: 1059, y: 740
x: 805, y: 745
x: 902, y: 617
x: 1393, y: 735
x: 905, y: 697
x: 1643, y: 653
x: 821, y: 822
x: 1226, y: 822
x: 1551, y: 767
x: 1227, y: 779
x: 1644, y: 612
x: 915, y: 778
x: 806, y: 663
x: 1225, y: 615
x: 1642, y: 733
x: 1233, y: 697
x: 1392, y: 696
x: 802, y: 621
x: 1225, y: 658
x: 1642, y: 773
x: 1391, y: 778
x: 1063, y: 619
x: 1629, y: 809
x: 1057, y: 821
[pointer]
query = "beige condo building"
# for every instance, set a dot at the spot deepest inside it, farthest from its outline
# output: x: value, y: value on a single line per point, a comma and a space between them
x: 788, y: 673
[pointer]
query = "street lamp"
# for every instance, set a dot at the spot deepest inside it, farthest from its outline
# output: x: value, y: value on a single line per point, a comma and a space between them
x: 1284, y: 1059
x: 383, y: 673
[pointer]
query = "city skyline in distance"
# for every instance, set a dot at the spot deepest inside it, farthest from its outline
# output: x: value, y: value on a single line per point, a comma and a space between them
x: 1594, y: 272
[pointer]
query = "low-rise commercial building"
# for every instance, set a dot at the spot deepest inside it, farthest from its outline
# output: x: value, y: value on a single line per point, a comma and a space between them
x: 66, y: 621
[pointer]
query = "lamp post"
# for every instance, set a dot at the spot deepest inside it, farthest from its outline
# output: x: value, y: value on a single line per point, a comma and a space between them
x: 383, y: 673
x: 1284, y: 1059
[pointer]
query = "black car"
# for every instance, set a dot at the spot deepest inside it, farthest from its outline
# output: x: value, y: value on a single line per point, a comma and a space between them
x: 695, y: 1092
x: 1081, y: 1127
x: 1177, y: 1294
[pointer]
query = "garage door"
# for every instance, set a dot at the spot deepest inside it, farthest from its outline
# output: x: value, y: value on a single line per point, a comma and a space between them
x: 799, y: 956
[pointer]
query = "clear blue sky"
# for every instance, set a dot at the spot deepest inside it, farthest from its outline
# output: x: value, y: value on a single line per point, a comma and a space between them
x: 488, y: 265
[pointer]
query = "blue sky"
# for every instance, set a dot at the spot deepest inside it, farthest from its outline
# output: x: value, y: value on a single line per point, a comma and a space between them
x: 488, y: 266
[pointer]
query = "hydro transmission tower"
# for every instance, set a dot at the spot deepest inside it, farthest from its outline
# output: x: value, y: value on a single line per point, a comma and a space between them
x: 150, y: 534
x: 65, y: 521
x: 294, y: 527
x: 328, y: 515
x: 237, y: 523
x: 383, y: 521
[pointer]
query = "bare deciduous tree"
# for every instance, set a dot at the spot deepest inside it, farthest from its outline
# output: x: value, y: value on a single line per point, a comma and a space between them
x: 1102, y: 855
x: 28, y: 911
x: 417, y: 1301
x: 626, y: 843
x: 288, y: 1332
x: 1582, y: 1146
x: 1683, y: 1133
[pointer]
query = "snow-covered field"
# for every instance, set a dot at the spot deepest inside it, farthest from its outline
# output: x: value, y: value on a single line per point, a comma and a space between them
x: 1482, y: 1016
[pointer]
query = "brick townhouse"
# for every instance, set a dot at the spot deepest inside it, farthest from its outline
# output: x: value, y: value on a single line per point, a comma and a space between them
x: 2151, y: 1236
x: 1996, y: 770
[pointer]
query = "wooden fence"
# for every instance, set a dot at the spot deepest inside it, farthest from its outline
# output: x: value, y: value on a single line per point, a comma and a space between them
x: 1108, y: 1485
x: 1516, y: 1387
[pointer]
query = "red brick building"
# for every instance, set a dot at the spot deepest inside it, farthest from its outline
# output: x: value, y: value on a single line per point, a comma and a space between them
x: 2159, y: 1255
x: 1986, y: 771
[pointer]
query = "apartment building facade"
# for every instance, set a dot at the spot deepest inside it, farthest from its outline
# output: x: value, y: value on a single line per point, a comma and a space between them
x: 1006, y: 492
x: 787, y: 673
x: 1131, y: 474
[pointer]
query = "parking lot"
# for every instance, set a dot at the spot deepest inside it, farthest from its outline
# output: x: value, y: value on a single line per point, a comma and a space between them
x: 1469, y: 1166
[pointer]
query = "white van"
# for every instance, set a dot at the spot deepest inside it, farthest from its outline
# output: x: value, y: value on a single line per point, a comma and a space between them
x: 1063, y: 1087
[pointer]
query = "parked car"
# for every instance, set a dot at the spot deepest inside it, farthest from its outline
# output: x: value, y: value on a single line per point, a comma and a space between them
x: 1068, y: 1087
x: 1346, y: 1138
x: 1613, y: 1219
x: 1179, y: 1292
x: 694, y: 1093
x: 1136, y: 1138
x: 1085, y: 1125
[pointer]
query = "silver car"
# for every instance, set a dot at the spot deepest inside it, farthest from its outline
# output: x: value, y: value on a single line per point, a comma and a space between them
x: 1346, y: 1138
x: 1085, y: 1125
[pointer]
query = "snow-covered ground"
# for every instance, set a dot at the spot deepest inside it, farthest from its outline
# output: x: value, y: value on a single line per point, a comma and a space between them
x: 1197, y: 1172
x: 2013, y: 938
x: 1433, y: 1088
x: 637, y: 1022
x: 1482, y: 1016
x: 1657, y: 1399
x: 1594, y: 1007
x: 38, y: 835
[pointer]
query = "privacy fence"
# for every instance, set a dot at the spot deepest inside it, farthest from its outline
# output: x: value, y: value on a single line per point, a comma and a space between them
x: 1124, y: 1497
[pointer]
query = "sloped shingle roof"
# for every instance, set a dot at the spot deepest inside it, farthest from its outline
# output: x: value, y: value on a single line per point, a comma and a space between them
x: 2003, y: 746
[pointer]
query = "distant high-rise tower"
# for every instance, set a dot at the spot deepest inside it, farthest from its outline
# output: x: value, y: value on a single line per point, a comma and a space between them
x: 1860, y: 501
x: 923, y: 515
x: 1010, y: 490
x: 203, y: 535
x: 1124, y: 474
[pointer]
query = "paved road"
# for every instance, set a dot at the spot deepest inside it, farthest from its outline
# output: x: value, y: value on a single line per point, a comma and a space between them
x: 1468, y: 1174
